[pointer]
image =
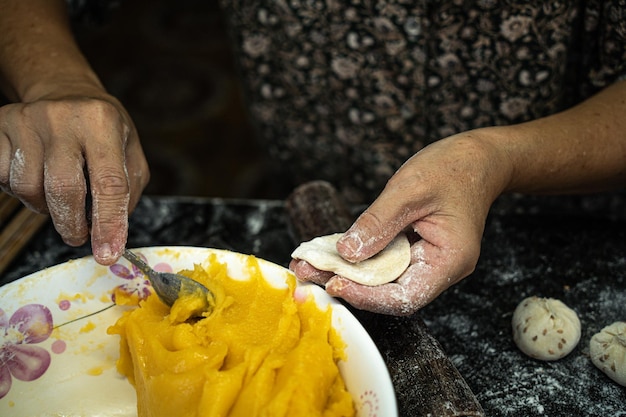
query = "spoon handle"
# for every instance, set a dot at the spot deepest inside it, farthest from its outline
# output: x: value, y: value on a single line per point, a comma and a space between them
x: 139, y: 263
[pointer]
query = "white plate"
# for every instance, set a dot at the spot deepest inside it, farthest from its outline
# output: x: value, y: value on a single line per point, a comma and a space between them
x: 65, y: 311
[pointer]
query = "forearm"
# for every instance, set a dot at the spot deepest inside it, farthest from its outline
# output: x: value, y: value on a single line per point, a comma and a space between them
x: 38, y: 53
x: 582, y: 149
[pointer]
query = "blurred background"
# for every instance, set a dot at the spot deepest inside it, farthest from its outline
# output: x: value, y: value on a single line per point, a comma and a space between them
x: 171, y: 64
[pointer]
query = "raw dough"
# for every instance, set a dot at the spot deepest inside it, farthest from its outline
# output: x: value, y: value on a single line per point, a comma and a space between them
x: 382, y: 268
x: 545, y: 328
x: 608, y: 351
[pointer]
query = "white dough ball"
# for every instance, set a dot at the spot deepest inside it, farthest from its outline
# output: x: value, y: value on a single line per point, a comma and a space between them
x: 607, y: 349
x: 545, y: 328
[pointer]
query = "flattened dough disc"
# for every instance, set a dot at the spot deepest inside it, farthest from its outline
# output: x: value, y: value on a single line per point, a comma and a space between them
x: 382, y: 268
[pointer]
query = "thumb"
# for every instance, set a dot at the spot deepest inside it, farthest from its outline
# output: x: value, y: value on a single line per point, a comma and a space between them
x: 375, y: 228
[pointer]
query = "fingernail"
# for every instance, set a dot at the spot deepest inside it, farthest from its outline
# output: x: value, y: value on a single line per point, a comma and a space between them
x: 104, y: 252
x: 333, y: 287
x: 337, y: 286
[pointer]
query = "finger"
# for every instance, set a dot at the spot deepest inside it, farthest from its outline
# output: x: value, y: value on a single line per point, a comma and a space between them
x: 395, y: 298
x: 433, y: 269
x: 110, y: 192
x: 65, y: 189
x: 21, y: 160
x: 391, y: 299
x: 392, y: 211
x: 26, y: 176
x: 6, y: 149
x: 5, y: 161
x: 138, y: 171
x: 304, y: 271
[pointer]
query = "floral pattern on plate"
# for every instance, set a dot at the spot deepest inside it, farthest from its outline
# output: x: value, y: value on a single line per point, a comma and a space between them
x: 136, y: 283
x: 20, y: 358
x: 31, y: 324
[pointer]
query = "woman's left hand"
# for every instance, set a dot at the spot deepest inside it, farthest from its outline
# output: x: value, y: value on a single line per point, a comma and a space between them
x: 440, y: 197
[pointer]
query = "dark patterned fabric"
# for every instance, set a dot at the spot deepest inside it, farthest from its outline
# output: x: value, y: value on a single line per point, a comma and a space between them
x: 348, y: 90
x: 90, y: 11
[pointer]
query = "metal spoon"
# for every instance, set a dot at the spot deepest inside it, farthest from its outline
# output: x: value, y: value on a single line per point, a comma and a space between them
x: 169, y: 287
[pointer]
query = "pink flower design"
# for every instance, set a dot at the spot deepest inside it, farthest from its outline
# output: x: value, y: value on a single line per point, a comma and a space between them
x: 30, y: 324
x: 136, y: 282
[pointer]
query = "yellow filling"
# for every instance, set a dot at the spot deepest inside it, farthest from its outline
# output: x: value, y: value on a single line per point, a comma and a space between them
x: 258, y: 353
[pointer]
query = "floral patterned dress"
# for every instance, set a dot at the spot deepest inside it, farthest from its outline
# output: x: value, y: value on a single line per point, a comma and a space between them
x: 348, y: 90
x: 91, y: 11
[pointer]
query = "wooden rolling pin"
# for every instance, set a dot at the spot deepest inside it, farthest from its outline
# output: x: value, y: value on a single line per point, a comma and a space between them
x: 426, y: 381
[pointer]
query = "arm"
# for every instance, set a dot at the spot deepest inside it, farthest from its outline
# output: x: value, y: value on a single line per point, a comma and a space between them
x: 582, y: 149
x: 444, y: 192
x: 38, y: 53
x: 64, y: 134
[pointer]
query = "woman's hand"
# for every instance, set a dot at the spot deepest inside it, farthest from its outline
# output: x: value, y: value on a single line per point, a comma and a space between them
x: 443, y: 194
x: 440, y: 197
x: 78, y: 158
x: 66, y: 146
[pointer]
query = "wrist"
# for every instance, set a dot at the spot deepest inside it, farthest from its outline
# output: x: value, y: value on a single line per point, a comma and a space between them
x: 490, y: 160
x: 64, y: 85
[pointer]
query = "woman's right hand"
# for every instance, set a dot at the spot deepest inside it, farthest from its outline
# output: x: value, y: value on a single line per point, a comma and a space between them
x: 59, y: 151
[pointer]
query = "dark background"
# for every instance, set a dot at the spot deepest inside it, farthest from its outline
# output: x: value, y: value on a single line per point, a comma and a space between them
x: 171, y: 64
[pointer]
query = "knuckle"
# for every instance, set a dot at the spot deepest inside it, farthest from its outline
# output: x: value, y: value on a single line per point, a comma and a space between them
x: 98, y: 114
x: 110, y: 184
x: 64, y: 193
x: 64, y: 186
x: 371, y: 223
x: 24, y: 190
x: 102, y: 110
x: 107, y: 112
x: 404, y: 181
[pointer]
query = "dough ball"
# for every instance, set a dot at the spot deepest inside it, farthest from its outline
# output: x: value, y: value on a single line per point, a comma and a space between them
x: 607, y: 349
x: 384, y: 267
x: 545, y: 328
